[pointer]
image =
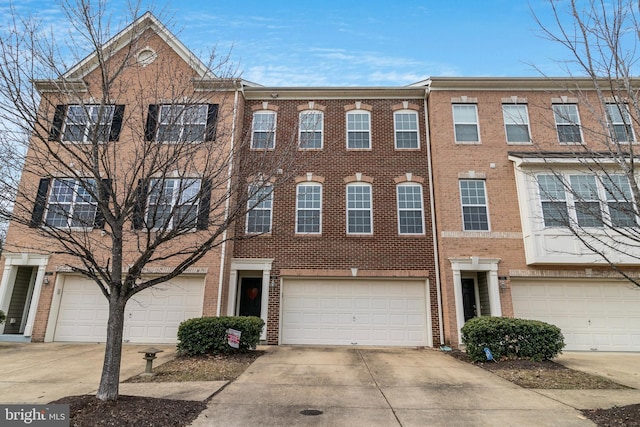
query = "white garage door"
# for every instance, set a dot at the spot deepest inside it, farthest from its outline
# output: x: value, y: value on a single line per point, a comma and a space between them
x: 151, y: 316
x: 602, y: 316
x: 354, y: 312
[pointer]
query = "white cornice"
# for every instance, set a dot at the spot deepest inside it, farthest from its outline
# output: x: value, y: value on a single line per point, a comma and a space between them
x: 514, y: 83
x: 60, y: 86
x: 274, y: 92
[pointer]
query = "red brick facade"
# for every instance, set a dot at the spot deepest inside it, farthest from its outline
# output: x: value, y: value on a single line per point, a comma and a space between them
x: 384, y: 253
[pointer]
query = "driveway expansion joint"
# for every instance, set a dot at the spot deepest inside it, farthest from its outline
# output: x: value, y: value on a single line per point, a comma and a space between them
x: 378, y: 387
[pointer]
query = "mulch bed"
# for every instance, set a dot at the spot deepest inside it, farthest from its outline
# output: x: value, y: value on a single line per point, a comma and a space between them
x: 131, y: 411
x: 618, y: 416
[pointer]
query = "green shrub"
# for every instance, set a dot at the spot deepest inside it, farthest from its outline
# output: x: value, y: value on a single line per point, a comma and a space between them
x: 3, y: 317
x: 514, y: 338
x: 208, y: 335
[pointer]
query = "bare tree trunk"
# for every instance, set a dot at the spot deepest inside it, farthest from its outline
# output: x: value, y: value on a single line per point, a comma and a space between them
x: 110, y: 379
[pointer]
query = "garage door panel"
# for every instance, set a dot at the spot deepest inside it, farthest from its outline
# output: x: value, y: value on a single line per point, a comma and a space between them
x: 358, y: 312
x: 592, y: 315
x: 151, y: 316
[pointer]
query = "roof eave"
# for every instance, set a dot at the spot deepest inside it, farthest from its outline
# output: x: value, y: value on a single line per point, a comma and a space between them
x: 275, y: 92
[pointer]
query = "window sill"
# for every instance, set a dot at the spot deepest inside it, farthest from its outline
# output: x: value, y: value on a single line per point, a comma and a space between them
x: 468, y: 143
x: 408, y: 149
x: 359, y: 149
x: 519, y: 143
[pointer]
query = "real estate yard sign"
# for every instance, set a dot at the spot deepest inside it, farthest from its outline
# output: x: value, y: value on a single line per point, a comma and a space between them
x: 233, y: 338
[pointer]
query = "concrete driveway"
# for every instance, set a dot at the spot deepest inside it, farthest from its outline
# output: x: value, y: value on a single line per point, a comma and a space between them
x: 43, y: 372
x: 623, y: 368
x: 377, y: 387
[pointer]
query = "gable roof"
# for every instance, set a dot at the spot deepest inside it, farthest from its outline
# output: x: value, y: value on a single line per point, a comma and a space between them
x: 131, y: 32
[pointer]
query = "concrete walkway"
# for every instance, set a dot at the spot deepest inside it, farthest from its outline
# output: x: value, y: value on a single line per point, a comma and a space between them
x: 43, y: 372
x: 377, y: 387
x: 621, y: 368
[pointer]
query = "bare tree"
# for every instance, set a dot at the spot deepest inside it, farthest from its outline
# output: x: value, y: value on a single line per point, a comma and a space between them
x: 592, y: 187
x: 130, y: 154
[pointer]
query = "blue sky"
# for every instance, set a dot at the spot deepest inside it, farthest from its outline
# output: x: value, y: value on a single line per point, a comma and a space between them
x: 355, y: 42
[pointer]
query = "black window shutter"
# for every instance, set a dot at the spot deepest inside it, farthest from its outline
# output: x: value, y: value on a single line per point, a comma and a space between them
x: 212, y: 121
x: 140, y: 205
x: 116, y: 123
x: 98, y: 222
x: 40, y: 203
x: 152, y: 123
x: 204, y: 205
x: 58, y: 120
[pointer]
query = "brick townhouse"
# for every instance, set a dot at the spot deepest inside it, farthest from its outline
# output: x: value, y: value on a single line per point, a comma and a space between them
x: 343, y: 254
x: 42, y: 296
x: 499, y: 148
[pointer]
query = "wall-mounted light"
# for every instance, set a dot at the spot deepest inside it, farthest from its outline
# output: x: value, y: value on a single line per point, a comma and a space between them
x: 273, y: 282
x: 46, y: 281
x: 502, y: 282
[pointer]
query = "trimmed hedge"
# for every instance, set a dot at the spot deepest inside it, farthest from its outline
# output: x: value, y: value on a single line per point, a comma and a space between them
x: 208, y: 335
x: 513, y: 338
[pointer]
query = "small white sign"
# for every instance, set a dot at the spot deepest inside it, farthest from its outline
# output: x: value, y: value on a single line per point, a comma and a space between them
x: 233, y: 338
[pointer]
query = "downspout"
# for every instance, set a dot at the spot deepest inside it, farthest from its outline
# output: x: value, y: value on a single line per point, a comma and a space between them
x: 434, y: 230
x: 223, y: 253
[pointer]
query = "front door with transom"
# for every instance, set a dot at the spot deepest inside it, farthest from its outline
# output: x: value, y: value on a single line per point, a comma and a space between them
x: 250, y: 296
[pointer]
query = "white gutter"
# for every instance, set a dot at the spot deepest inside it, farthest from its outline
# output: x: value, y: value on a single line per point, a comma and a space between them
x: 226, y: 204
x: 434, y: 229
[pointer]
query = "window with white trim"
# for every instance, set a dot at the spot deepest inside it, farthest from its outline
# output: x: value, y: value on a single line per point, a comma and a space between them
x: 311, y: 130
x: 173, y: 203
x: 182, y: 123
x: 475, y: 212
x: 359, y: 209
x: 465, y: 123
x: 410, y: 209
x: 85, y: 123
x: 516, y: 123
x: 359, y: 129
x: 619, y: 201
x: 586, y: 200
x: 618, y: 115
x: 567, y: 123
x: 406, y: 129
x: 554, y: 201
x: 308, y: 208
x: 259, y: 207
x: 71, y: 204
x: 263, y: 130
